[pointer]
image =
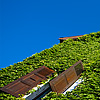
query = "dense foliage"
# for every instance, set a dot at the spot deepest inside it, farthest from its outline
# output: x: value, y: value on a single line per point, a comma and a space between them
x: 87, y: 90
x: 59, y: 58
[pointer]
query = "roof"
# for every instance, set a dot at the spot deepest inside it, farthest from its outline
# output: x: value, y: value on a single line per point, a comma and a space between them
x: 58, y: 58
x: 72, y: 37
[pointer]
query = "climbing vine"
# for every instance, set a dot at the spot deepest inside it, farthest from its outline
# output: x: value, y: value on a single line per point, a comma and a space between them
x: 59, y: 58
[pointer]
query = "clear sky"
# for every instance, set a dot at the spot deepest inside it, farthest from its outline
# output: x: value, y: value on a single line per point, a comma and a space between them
x: 30, y: 26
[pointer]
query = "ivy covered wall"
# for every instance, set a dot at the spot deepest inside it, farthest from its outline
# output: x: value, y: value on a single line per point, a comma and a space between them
x: 59, y: 58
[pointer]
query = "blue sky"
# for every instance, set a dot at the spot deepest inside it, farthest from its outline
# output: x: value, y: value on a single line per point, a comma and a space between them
x: 30, y: 26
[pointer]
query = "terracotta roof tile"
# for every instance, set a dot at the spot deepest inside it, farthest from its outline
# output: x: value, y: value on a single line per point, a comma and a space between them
x: 72, y: 37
